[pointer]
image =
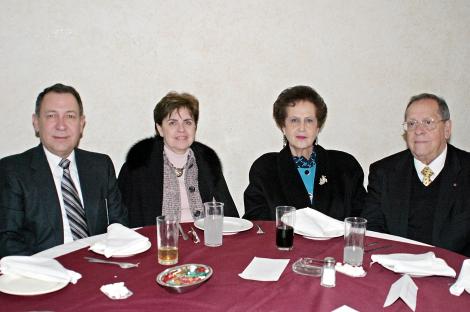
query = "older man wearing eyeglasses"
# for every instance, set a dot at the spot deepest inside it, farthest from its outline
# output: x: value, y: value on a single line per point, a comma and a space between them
x: 423, y: 193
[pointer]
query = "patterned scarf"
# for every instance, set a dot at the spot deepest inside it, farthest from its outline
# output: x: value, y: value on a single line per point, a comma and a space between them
x: 302, y: 162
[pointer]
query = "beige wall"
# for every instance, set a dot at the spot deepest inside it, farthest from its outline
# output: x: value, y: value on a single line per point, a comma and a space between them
x: 366, y: 58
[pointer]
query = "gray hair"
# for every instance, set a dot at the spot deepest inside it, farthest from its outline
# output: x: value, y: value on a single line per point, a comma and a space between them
x: 443, y: 108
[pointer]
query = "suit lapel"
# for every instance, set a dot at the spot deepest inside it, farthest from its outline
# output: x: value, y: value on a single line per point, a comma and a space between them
x: 322, y: 191
x: 47, y: 192
x: 447, y: 189
x: 291, y: 183
x: 88, y: 186
x: 400, y: 188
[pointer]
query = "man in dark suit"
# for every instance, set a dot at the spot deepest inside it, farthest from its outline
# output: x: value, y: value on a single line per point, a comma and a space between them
x: 55, y: 192
x: 423, y: 193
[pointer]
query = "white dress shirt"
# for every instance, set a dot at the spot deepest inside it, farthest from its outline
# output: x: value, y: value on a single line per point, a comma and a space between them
x: 57, y: 173
x: 436, y: 165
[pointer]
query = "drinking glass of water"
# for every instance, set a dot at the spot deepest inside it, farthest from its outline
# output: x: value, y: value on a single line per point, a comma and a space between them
x: 354, y: 234
x: 213, y: 223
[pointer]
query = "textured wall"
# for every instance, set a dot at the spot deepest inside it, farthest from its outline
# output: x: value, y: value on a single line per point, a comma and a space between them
x: 366, y: 58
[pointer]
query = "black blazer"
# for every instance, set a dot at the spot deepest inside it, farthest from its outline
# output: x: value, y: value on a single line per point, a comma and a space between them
x: 275, y: 181
x: 388, y: 200
x: 30, y: 215
x: 141, y: 180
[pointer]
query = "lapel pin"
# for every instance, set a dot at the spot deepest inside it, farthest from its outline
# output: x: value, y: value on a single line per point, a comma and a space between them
x: 323, y: 180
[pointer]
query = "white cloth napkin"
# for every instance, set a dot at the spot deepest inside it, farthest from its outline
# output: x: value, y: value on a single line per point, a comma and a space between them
x: 120, y: 241
x: 426, y: 264
x: 310, y: 222
x: 344, y: 308
x: 404, y: 288
x: 264, y: 269
x: 44, y: 269
x: 116, y: 291
x: 463, y: 281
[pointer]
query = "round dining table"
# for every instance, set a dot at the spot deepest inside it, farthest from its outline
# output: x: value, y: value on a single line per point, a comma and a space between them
x: 227, y: 291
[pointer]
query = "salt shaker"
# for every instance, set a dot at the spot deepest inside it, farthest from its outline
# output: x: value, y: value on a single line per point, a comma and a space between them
x: 328, y: 278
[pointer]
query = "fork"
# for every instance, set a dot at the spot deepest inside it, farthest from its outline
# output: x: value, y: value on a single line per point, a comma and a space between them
x: 260, y: 230
x: 124, y: 265
x: 193, y: 233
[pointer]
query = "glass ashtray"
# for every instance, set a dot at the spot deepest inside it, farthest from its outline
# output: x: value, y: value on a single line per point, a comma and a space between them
x: 308, y: 266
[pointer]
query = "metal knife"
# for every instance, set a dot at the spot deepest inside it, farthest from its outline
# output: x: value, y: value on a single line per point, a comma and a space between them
x: 185, y: 236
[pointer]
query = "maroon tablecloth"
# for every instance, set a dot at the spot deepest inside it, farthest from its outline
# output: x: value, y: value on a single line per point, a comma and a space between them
x: 226, y: 291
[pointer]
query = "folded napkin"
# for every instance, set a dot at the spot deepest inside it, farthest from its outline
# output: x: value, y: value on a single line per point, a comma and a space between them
x: 404, y: 288
x: 415, y: 264
x: 116, y: 291
x: 264, y: 269
x: 310, y: 222
x: 120, y: 241
x: 344, y: 308
x: 463, y: 281
x: 44, y: 269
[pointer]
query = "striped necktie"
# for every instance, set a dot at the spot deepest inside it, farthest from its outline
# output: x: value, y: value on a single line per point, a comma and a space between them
x: 72, y: 204
x: 427, y: 173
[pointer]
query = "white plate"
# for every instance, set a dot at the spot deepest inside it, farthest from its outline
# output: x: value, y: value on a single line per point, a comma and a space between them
x: 231, y: 225
x: 123, y: 255
x: 24, y: 286
x: 316, y: 238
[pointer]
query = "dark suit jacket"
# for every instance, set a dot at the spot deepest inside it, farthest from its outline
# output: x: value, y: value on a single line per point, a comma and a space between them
x: 30, y: 215
x: 141, y: 180
x: 275, y: 181
x: 388, y: 200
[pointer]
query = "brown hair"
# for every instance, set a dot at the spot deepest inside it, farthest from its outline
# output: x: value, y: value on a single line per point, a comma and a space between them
x: 175, y: 101
x: 290, y: 96
x: 58, y: 88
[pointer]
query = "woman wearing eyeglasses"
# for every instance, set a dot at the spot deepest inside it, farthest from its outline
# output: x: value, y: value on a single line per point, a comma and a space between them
x: 303, y: 174
x: 171, y: 173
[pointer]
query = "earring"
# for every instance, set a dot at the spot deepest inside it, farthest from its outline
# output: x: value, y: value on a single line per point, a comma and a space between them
x: 284, y: 141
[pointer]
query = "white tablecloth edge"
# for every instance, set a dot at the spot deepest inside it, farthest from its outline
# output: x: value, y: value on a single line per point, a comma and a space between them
x: 63, y: 249
x: 395, y: 238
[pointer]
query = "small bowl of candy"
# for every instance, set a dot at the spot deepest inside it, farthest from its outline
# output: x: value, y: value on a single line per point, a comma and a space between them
x: 183, y: 278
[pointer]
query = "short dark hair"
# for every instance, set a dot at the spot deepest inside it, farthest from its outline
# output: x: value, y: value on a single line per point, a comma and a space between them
x: 58, y: 88
x: 443, y: 108
x: 290, y: 96
x: 175, y: 101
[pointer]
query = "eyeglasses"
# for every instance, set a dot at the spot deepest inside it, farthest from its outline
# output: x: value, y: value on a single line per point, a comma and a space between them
x: 429, y: 124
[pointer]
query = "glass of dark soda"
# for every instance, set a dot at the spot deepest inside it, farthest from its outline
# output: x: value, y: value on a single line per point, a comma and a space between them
x: 285, y: 220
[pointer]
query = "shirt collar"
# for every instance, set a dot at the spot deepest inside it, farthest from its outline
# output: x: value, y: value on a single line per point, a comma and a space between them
x: 179, y: 160
x: 436, y: 165
x: 54, y: 160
